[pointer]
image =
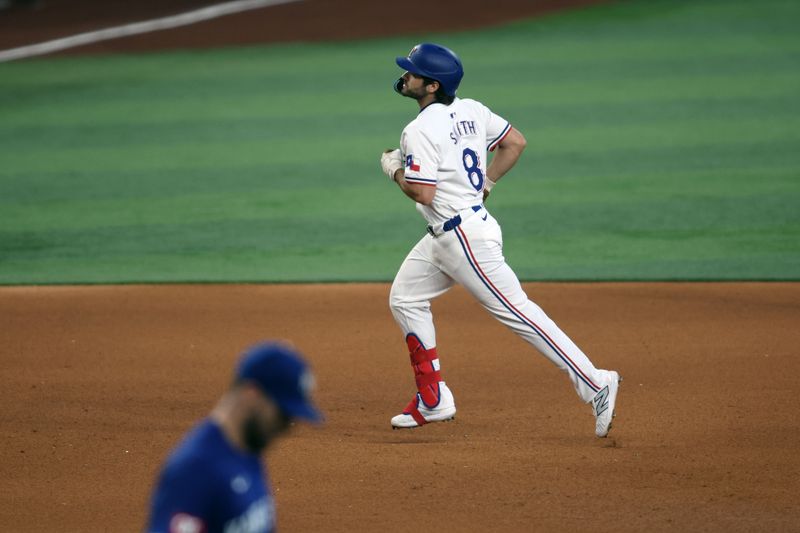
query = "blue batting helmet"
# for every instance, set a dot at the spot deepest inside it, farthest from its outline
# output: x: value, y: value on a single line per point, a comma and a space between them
x: 436, y: 62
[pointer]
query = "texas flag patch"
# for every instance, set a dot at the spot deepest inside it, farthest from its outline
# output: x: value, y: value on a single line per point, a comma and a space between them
x: 412, y: 163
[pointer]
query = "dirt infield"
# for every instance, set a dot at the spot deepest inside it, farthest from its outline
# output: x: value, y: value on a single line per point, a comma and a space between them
x: 99, y: 383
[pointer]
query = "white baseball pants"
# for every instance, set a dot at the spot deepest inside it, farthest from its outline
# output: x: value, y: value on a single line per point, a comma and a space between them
x: 472, y: 255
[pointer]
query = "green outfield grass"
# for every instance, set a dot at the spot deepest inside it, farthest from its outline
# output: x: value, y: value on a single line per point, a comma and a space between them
x: 663, y: 144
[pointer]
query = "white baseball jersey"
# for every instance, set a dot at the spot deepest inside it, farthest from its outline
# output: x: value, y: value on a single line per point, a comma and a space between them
x: 446, y: 147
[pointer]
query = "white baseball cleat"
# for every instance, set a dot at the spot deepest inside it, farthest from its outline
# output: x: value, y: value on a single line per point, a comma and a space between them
x: 417, y: 413
x: 604, y: 403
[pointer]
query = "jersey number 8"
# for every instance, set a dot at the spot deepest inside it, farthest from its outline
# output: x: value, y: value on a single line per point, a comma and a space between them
x: 472, y: 166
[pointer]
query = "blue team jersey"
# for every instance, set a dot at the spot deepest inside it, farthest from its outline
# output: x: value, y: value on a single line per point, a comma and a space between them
x: 209, y: 486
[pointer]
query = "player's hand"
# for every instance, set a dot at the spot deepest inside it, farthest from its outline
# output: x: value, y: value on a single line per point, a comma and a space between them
x: 487, y: 188
x: 391, y: 162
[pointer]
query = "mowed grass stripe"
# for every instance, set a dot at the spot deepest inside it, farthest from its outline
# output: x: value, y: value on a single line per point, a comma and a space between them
x: 549, y: 119
x: 663, y: 144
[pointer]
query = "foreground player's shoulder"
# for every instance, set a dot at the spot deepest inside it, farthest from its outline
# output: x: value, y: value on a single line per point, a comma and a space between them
x: 189, y: 474
x: 199, y: 455
x: 193, y: 469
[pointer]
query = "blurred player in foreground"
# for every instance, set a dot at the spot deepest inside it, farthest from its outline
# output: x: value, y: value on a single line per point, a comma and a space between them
x: 214, y: 480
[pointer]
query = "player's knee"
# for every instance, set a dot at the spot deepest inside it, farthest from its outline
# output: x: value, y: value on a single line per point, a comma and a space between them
x: 396, y: 300
x: 400, y: 302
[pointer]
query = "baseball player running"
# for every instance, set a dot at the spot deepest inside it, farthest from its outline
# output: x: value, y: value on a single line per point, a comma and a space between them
x: 441, y: 165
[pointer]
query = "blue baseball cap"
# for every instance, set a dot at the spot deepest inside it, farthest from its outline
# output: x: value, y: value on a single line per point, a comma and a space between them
x: 282, y: 374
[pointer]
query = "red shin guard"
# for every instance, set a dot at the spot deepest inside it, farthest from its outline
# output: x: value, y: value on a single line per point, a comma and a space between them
x: 426, y: 375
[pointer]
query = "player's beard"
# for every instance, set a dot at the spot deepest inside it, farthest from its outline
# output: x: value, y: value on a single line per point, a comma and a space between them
x: 257, y: 435
x: 416, y: 94
x: 404, y: 90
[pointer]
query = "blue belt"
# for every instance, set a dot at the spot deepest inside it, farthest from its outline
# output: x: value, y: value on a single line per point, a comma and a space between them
x: 453, y: 222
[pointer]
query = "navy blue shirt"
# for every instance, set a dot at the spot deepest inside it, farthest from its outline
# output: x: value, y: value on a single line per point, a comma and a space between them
x: 209, y: 486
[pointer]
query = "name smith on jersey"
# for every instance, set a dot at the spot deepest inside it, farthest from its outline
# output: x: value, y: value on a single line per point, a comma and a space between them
x: 462, y: 128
